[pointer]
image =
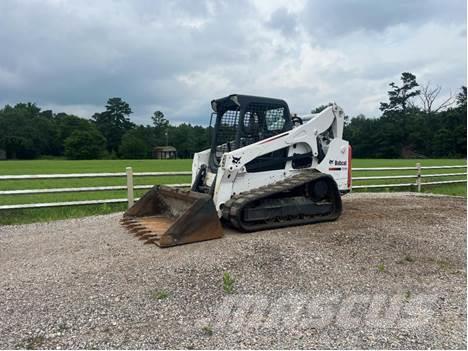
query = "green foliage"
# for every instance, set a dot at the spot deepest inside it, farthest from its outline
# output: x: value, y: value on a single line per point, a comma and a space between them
x: 67, y: 124
x: 207, y: 330
x: 26, y: 132
x: 461, y: 98
x: 188, y: 139
x: 136, y: 143
x: 114, y: 122
x: 399, y: 96
x: 18, y: 146
x: 228, y: 283
x: 159, y: 121
x: 133, y: 148
x: 159, y: 295
x: 161, y: 129
x: 85, y: 145
x: 405, y: 131
x: 381, y: 267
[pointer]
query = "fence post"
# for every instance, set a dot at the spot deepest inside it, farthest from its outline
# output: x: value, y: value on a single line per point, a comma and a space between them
x: 418, y: 176
x: 130, y: 186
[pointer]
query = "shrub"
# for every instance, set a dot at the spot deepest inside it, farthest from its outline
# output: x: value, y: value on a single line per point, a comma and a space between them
x: 85, y: 145
x: 133, y: 147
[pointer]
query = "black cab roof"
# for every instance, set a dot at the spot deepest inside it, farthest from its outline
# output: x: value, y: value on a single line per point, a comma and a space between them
x: 234, y: 101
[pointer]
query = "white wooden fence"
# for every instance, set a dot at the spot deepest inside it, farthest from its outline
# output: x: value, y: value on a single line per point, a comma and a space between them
x: 418, y: 176
x: 129, y: 187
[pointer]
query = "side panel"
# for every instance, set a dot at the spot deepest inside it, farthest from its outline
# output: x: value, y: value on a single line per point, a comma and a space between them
x: 199, y: 159
x: 336, y: 163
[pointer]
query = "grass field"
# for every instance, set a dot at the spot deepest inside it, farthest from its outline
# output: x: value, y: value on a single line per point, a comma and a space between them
x: 97, y: 166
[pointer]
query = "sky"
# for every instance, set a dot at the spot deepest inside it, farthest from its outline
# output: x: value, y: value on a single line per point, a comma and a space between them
x: 176, y: 56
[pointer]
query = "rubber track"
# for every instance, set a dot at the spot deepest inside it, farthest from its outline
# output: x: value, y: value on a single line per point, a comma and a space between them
x: 232, y: 210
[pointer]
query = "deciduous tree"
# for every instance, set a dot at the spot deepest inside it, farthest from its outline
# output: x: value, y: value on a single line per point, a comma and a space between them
x: 85, y: 145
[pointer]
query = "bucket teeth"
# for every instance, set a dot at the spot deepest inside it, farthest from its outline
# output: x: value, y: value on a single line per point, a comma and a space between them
x: 127, y: 220
x: 139, y: 230
x: 151, y: 241
x: 168, y: 217
x: 134, y: 226
x: 149, y: 235
x: 142, y: 232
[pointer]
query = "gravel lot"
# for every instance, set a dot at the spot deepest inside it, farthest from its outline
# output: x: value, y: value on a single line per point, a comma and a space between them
x: 390, y: 273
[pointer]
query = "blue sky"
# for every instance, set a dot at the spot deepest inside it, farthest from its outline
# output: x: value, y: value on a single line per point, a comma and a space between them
x: 175, y: 56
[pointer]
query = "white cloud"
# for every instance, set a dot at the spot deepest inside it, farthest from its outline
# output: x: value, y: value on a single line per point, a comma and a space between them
x: 177, y: 56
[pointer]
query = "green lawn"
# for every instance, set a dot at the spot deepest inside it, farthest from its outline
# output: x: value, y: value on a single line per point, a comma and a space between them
x: 67, y: 166
x: 98, y: 166
x: 458, y: 189
x: 91, y: 166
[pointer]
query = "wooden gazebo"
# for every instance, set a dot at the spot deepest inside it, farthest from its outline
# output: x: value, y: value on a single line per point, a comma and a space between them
x: 164, y: 152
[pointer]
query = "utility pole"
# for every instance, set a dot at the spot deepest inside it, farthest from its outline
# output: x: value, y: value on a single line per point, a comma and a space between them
x: 167, y: 137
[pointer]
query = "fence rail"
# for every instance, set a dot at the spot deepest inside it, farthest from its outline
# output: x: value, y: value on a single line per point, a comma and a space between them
x: 418, y: 176
x: 77, y: 190
x: 130, y: 187
x: 92, y: 175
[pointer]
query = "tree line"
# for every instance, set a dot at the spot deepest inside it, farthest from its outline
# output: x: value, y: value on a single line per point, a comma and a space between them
x: 414, y: 123
x: 27, y: 132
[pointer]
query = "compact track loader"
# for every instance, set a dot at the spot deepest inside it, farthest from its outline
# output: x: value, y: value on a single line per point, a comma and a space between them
x: 265, y: 169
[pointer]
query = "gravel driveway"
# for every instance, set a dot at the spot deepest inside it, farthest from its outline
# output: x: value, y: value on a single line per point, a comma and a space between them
x: 390, y: 273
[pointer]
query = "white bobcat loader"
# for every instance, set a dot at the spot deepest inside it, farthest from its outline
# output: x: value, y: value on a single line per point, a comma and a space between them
x: 265, y: 169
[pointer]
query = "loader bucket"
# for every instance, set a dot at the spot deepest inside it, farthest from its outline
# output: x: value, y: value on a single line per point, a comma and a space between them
x: 167, y: 217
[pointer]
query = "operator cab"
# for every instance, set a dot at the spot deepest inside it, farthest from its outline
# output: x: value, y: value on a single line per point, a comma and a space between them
x: 241, y: 120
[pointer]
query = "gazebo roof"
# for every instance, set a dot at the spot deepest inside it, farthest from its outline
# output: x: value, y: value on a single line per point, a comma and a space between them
x: 164, y: 148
